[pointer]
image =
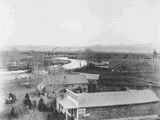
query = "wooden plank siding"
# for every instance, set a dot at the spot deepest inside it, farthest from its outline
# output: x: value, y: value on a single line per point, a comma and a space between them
x: 102, y: 113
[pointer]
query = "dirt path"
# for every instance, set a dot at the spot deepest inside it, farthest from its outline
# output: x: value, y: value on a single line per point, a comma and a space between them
x: 20, y: 91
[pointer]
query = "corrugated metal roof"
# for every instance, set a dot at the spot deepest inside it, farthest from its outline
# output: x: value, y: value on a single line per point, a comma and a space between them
x: 116, y: 98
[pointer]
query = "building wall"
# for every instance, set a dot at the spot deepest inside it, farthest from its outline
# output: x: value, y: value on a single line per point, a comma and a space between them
x: 99, y: 113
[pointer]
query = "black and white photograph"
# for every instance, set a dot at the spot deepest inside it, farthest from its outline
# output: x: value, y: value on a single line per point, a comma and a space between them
x: 79, y: 59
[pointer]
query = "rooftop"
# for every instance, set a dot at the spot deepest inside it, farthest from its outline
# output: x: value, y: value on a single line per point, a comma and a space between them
x: 66, y: 79
x: 109, y: 98
x: 63, y: 79
x: 91, y: 76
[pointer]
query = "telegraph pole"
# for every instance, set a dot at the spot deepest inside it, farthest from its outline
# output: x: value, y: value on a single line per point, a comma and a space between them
x: 155, y: 60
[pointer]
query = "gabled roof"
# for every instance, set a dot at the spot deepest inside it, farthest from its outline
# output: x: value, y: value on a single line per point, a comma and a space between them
x: 66, y: 79
x: 68, y: 103
x: 113, y: 98
x: 63, y: 79
x: 90, y: 76
x: 116, y: 98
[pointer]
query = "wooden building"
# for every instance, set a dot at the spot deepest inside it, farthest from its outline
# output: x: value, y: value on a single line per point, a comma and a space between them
x: 92, y: 80
x: 131, y: 104
x: 58, y: 82
x: 91, y: 77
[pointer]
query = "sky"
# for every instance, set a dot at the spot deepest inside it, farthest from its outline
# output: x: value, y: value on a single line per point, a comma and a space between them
x: 79, y: 22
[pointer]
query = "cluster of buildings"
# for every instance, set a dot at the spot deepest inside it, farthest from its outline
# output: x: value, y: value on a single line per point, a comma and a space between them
x: 81, y: 102
x: 56, y: 81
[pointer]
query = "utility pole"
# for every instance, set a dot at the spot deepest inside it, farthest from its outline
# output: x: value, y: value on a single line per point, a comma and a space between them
x: 155, y: 60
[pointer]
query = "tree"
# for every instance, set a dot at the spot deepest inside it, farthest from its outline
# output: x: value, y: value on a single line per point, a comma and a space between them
x: 88, y: 55
x: 155, y: 55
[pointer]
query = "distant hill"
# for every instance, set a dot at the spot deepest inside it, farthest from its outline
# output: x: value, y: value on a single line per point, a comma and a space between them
x: 139, y: 48
x: 44, y: 48
x: 146, y: 48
